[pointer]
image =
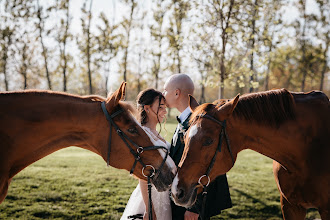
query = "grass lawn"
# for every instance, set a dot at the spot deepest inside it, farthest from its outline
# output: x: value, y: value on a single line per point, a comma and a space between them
x: 76, y: 184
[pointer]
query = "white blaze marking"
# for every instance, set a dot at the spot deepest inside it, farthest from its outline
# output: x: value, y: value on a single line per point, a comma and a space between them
x: 193, y: 131
x: 175, y: 185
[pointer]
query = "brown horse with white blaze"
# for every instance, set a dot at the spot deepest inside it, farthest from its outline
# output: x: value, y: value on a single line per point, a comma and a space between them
x: 291, y: 128
x: 34, y: 124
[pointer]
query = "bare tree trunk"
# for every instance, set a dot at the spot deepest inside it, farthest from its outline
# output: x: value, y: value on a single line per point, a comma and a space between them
x: 222, y: 72
x: 179, y: 60
x: 224, y: 36
x: 125, y: 64
x: 324, y: 69
x: 88, y: 49
x: 202, y: 99
x: 23, y: 68
x: 64, y: 59
x: 303, y: 48
x: 6, y: 80
x: 4, y: 59
x: 128, y: 40
x: 44, y: 51
x: 158, y: 69
x: 139, y: 73
x: 268, y: 68
x: 252, y: 39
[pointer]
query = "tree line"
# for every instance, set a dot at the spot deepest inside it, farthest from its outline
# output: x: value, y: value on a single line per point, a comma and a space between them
x: 227, y: 46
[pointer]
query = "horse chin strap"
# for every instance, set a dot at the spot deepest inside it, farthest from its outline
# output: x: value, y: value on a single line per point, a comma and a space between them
x: 223, y: 134
x: 136, y: 153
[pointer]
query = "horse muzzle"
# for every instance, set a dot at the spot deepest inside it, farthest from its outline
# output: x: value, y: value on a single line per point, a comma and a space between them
x: 163, y: 178
x: 183, y: 196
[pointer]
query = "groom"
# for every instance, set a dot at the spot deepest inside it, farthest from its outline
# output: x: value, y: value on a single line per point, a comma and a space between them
x: 176, y: 90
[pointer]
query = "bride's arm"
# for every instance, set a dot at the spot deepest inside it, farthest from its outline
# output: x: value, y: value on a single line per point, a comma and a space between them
x: 144, y: 192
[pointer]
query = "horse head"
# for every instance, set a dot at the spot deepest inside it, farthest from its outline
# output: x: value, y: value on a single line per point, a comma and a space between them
x: 200, y: 163
x: 130, y: 147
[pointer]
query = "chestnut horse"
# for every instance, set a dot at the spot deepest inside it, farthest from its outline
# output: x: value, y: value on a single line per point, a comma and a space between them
x: 34, y: 124
x: 291, y: 128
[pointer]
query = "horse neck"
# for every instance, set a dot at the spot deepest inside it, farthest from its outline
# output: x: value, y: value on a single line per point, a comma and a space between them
x: 273, y: 143
x: 55, y: 125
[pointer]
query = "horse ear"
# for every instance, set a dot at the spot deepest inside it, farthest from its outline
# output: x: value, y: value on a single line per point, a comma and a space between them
x: 122, y: 90
x: 193, y: 104
x: 118, y: 95
x: 228, y: 108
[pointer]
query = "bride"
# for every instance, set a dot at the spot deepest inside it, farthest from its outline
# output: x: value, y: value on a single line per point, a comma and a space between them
x: 152, y: 110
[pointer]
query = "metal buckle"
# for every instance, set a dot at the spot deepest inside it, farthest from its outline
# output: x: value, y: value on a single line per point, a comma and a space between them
x: 153, y: 172
x: 208, y: 180
x: 139, y: 150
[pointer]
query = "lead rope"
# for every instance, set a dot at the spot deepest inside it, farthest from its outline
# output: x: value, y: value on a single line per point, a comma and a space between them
x: 203, y: 202
x: 149, y: 202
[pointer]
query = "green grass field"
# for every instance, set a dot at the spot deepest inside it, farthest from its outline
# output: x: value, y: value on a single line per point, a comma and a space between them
x: 76, y: 184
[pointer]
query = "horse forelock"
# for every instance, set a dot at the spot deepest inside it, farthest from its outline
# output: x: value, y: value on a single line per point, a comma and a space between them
x: 129, y: 107
x: 270, y: 108
x: 202, y: 110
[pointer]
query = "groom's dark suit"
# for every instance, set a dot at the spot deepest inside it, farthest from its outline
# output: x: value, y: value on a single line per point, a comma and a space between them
x: 218, y: 196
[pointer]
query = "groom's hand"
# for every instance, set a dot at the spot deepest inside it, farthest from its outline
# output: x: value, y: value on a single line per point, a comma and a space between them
x: 190, y: 216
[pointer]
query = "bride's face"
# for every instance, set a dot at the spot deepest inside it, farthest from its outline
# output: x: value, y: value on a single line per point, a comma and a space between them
x: 157, y: 107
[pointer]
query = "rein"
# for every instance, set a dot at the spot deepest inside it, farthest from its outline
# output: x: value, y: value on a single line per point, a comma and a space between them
x: 136, y: 153
x: 223, y: 134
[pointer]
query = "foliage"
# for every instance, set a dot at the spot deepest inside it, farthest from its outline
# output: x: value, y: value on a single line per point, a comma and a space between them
x: 232, y: 46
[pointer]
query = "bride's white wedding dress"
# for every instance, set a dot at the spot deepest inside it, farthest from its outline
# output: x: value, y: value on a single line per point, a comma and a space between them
x: 160, y: 200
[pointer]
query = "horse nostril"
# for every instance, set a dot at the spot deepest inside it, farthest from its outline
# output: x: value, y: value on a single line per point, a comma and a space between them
x: 180, y: 193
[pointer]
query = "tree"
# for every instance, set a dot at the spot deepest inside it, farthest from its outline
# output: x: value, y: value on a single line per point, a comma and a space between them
x: 301, y: 27
x: 127, y: 24
x: 272, y: 26
x: 86, y: 44
x: 24, y: 47
x: 41, y: 28
x: 254, y: 17
x: 221, y: 18
x: 157, y: 36
x: 175, y: 32
x: 108, y: 45
x: 201, y: 52
x: 323, y: 34
x: 62, y: 38
x: 6, y: 41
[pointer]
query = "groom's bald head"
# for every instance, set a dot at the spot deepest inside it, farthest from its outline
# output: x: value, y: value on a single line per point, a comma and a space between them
x: 182, y: 82
x: 176, y: 90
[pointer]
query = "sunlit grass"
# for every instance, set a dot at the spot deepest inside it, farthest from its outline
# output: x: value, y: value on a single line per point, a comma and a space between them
x: 76, y: 184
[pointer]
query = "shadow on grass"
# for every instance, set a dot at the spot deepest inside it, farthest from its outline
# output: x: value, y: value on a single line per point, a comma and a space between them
x: 257, y: 208
x: 43, y: 214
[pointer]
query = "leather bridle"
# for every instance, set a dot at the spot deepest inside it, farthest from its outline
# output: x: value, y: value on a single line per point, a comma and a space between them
x: 136, y: 153
x: 223, y: 134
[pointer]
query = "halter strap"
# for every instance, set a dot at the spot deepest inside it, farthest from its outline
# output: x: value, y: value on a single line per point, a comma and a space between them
x: 136, y: 153
x: 109, y: 118
x: 223, y: 134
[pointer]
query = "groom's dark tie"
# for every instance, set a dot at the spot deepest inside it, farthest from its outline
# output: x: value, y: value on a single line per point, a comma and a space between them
x: 178, y: 119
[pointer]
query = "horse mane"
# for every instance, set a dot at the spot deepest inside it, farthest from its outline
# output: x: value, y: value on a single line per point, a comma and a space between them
x: 88, y: 98
x: 271, y: 108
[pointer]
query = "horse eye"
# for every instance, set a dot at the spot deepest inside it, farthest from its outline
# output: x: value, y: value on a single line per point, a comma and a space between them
x: 133, y: 130
x: 207, y: 142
